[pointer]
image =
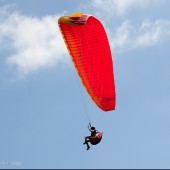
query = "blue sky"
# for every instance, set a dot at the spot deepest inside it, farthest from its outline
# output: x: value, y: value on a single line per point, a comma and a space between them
x: 43, y: 104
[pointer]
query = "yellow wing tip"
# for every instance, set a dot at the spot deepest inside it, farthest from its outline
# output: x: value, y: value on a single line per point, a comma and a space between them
x: 75, y: 15
x: 65, y: 19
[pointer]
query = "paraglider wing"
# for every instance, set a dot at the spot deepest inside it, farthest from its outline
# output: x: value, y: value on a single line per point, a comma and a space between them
x: 88, y: 45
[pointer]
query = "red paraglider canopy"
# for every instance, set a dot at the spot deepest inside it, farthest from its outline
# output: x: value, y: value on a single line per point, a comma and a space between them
x: 88, y: 45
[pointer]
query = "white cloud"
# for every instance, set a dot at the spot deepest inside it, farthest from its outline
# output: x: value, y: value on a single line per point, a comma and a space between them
x: 119, y: 7
x: 35, y: 42
x: 149, y: 33
x: 128, y: 35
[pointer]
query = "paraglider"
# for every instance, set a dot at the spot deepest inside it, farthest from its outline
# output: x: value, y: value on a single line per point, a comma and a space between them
x: 95, y: 137
x: 89, y: 48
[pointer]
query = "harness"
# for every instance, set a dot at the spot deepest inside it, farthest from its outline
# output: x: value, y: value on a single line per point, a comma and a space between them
x: 96, y: 139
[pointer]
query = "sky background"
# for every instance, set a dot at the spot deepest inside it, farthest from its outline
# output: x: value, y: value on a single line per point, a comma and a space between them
x: 43, y: 105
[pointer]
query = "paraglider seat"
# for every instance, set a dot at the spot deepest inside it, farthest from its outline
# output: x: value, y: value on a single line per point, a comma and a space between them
x: 94, y: 140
